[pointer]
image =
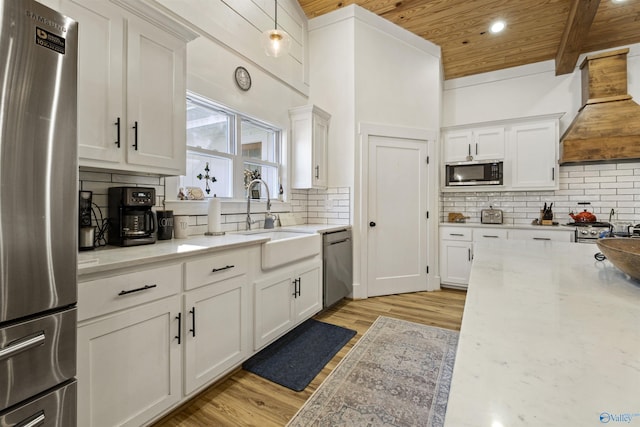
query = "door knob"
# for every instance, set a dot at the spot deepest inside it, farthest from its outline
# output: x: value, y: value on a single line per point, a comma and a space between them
x: 372, y: 224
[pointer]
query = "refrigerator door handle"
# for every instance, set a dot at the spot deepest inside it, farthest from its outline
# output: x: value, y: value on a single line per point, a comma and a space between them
x: 38, y: 420
x: 22, y: 345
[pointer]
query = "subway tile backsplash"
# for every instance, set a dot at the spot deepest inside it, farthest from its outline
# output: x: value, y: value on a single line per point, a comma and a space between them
x: 330, y: 206
x: 605, y: 186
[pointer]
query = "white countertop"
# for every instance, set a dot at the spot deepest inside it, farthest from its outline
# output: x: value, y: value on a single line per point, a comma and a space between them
x: 550, y: 337
x: 113, y: 257
x: 559, y: 227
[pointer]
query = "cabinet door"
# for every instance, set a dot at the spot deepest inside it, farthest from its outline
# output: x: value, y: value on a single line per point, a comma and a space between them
x: 457, y: 146
x: 455, y: 262
x: 308, y: 299
x: 489, y: 144
x: 273, y: 315
x: 320, y: 136
x: 215, y: 331
x: 534, y: 153
x: 100, y: 81
x: 156, y: 91
x: 129, y: 365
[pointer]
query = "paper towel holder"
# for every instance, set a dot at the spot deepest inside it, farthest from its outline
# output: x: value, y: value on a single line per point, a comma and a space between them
x: 210, y: 213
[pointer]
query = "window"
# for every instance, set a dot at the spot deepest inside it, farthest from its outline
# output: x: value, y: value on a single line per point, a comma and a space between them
x: 236, y: 149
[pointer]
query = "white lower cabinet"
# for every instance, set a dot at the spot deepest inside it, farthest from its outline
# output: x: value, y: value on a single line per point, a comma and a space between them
x: 457, y: 246
x: 129, y: 365
x: 150, y: 339
x: 455, y: 255
x: 285, y: 298
x: 217, y: 321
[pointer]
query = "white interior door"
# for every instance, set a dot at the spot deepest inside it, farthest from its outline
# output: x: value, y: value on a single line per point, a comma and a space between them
x: 397, y: 206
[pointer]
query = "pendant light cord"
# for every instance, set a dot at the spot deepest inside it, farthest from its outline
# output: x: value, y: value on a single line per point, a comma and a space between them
x: 276, y: 14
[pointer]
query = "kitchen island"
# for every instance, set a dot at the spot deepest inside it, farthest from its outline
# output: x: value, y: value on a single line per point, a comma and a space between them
x: 549, y: 337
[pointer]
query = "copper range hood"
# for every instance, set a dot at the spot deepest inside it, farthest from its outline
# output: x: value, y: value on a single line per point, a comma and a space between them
x: 607, y: 127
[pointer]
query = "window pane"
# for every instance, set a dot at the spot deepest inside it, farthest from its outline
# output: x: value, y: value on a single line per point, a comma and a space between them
x: 268, y: 174
x: 220, y: 168
x: 258, y: 142
x: 208, y: 128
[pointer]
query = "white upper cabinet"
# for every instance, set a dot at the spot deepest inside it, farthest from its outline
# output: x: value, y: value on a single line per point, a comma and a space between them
x: 534, y: 155
x: 309, y: 139
x: 131, y: 90
x: 529, y: 148
x: 474, y: 144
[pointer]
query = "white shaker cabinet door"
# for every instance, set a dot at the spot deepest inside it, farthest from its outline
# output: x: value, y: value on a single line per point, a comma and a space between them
x: 457, y: 146
x: 534, y: 153
x: 129, y: 365
x: 455, y: 262
x: 308, y: 298
x: 273, y: 302
x: 156, y: 90
x: 100, y: 80
x: 216, y: 330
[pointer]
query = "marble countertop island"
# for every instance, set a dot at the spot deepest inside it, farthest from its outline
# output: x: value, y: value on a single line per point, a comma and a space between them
x: 549, y: 337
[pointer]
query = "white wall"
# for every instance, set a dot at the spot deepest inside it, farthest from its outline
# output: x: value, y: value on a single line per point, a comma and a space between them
x: 523, y: 91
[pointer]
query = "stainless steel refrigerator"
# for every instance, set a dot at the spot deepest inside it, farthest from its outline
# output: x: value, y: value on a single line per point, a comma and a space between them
x: 38, y: 215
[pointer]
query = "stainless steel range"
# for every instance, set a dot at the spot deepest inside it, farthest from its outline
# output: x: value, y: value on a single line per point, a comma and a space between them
x: 588, y: 232
x: 38, y: 216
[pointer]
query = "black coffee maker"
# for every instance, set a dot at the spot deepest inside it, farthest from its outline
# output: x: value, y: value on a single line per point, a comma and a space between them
x: 132, y: 220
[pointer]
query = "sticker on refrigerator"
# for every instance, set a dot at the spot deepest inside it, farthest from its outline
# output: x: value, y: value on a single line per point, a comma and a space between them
x: 49, y: 40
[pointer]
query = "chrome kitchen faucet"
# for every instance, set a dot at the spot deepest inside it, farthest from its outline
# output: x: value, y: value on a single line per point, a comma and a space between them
x: 268, y: 216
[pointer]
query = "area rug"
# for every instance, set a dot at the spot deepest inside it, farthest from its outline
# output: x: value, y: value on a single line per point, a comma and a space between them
x: 397, y: 374
x: 295, y: 359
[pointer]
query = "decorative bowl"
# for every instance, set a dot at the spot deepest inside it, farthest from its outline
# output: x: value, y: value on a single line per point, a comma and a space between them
x: 624, y: 253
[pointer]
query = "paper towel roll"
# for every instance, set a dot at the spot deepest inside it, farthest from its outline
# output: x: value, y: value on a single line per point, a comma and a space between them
x: 215, y: 210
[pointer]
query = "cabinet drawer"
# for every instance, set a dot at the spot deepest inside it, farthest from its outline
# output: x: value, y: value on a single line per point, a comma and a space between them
x: 489, y: 234
x: 115, y: 293
x: 456, y: 233
x: 559, y: 236
x: 215, y: 268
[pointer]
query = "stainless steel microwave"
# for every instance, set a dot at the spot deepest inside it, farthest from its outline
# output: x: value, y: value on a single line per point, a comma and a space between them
x: 474, y: 173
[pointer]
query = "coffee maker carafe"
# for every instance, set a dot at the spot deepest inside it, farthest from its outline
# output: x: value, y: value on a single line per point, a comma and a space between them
x: 132, y: 220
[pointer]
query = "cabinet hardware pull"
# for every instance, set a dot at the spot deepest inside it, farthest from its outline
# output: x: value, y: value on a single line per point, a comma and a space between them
x: 456, y: 234
x: 179, y: 336
x: 296, y: 287
x: 23, y: 345
x: 135, y: 135
x: 317, y: 172
x: 117, y: 123
x: 226, y: 267
x: 489, y: 236
x: 144, y: 288
x: 35, y: 420
x: 193, y: 321
x: 299, y: 285
x: 553, y: 174
x: 476, y: 148
x: 469, y: 149
x: 469, y: 254
x: 541, y: 238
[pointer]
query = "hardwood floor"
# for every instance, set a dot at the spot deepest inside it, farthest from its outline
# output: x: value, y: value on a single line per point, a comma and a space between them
x: 245, y: 399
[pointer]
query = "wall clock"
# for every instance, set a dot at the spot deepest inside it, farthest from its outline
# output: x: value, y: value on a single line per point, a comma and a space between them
x: 243, y: 78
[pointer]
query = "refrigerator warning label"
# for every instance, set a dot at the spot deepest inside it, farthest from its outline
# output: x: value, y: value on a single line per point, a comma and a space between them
x: 49, y: 40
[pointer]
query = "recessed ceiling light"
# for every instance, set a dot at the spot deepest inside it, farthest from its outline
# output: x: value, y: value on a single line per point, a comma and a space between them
x: 497, y: 26
x: 618, y: 1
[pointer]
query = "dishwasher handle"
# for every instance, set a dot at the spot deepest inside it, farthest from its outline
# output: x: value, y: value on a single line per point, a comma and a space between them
x: 339, y: 241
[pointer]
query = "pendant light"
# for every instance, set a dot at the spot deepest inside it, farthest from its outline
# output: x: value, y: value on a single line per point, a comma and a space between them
x: 275, y: 42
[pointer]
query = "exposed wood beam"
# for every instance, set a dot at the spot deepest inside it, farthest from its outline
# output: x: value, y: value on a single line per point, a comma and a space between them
x: 575, y: 33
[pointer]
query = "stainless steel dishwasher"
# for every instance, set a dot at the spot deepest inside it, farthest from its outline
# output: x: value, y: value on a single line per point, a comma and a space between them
x: 338, y: 266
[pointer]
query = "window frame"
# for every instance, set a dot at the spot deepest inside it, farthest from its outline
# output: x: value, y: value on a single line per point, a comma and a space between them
x: 238, y: 161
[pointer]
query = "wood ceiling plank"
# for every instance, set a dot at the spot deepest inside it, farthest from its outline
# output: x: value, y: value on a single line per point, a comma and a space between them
x: 534, y: 28
x: 576, y: 30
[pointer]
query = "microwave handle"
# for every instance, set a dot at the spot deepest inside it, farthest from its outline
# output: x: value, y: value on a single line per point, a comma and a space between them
x: 152, y: 218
